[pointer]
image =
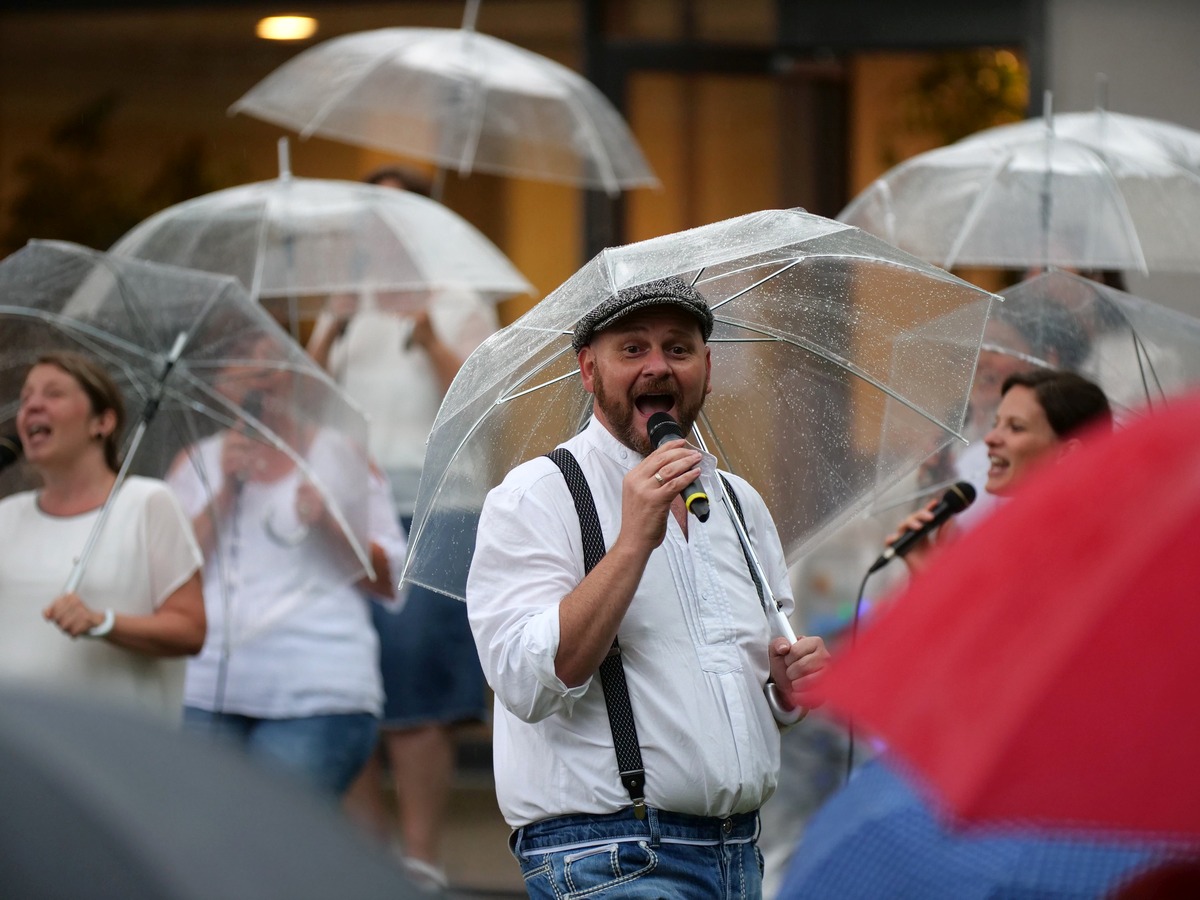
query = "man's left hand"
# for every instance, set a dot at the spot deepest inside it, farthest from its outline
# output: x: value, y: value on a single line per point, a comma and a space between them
x: 796, y: 668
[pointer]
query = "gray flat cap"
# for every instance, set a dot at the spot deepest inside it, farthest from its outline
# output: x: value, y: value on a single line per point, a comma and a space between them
x: 662, y: 292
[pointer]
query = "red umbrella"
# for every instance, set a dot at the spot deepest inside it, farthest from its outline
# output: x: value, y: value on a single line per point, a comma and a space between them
x: 1042, y: 670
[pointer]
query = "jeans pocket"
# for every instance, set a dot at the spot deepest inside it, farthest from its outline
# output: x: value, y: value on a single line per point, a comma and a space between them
x: 589, y: 872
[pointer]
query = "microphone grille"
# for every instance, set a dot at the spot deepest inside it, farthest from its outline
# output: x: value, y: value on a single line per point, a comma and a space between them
x: 661, y: 427
x: 960, y: 496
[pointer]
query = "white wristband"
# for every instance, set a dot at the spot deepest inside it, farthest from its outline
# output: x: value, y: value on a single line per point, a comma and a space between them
x: 785, y: 717
x: 104, y: 627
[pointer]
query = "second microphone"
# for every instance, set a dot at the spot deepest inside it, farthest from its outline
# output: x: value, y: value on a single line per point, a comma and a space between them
x: 662, y: 428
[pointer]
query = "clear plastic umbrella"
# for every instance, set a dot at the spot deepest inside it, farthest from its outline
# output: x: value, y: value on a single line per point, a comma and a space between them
x: 294, y: 241
x: 1140, y: 353
x: 461, y: 99
x: 193, y: 356
x: 1032, y: 195
x: 839, y: 362
x: 1107, y: 132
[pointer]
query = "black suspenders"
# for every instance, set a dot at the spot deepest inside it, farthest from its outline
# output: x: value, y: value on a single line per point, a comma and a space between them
x: 612, y: 670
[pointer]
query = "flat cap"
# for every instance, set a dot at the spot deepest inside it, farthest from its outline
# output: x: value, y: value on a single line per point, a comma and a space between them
x: 661, y: 292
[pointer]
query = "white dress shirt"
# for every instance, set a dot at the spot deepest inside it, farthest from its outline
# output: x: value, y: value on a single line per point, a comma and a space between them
x: 694, y: 643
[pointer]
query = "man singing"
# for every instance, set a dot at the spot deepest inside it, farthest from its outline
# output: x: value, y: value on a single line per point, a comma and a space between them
x: 672, y: 605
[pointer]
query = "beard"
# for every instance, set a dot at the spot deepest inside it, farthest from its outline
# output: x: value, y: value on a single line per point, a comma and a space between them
x: 620, y: 413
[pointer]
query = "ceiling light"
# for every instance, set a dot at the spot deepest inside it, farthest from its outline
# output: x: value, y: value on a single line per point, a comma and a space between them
x: 286, y: 28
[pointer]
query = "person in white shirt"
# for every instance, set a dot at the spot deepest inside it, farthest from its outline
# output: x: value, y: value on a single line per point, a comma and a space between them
x: 290, y: 670
x: 696, y: 647
x: 122, y: 635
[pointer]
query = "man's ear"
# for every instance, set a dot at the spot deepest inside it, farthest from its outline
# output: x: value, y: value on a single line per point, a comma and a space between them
x: 587, y: 367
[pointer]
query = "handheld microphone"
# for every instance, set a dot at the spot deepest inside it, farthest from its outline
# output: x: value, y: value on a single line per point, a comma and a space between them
x: 954, y: 501
x: 662, y: 428
x: 10, y: 450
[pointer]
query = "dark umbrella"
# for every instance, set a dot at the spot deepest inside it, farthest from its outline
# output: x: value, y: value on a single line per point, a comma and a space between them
x: 879, y: 838
x: 101, y: 804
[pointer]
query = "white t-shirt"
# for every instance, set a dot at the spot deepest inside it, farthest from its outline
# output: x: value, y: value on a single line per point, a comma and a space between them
x: 289, y: 634
x: 397, y: 386
x: 145, y: 553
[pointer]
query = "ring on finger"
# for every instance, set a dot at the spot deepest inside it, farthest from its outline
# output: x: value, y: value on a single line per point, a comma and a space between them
x: 658, y: 478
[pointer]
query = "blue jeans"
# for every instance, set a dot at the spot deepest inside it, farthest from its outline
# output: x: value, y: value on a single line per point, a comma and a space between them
x: 326, y: 751
x: 666, y: 855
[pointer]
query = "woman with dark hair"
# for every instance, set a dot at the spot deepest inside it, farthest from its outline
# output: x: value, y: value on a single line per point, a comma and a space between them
x: 1039, y: 420
x: 139, y: 603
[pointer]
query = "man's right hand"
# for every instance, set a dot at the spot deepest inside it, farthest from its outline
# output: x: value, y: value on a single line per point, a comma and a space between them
x: 645, y: 499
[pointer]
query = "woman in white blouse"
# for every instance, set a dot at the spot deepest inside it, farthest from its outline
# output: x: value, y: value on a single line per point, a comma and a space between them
x: 139, y: 606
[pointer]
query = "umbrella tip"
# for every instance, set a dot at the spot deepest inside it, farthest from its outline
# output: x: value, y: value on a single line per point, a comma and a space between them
x: 285, y: 163
x: 1101, y: 92
x: 470, y: 14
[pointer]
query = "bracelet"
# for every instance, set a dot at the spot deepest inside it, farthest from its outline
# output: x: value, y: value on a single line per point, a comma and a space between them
x: 785, y: 717
x: 104, y: 627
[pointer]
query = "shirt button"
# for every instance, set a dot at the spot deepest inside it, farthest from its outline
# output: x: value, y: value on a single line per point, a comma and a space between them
x: 624, y: 454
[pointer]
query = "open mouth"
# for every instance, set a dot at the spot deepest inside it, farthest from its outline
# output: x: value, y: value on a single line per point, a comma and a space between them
x: 35, y: 432
x: 649, y: 404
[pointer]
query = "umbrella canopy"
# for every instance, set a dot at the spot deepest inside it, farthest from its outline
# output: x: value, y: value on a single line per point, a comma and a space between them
x: 838, y: 362
x: 878, y: 837
x: 461, y: 99
x: 1138, y: 351
x: 1055, y: 646
x: 1108, y: 133
x: 293, y: 238
x: 1038, y: 198
x: 103, y: 804
x: 193, y: 355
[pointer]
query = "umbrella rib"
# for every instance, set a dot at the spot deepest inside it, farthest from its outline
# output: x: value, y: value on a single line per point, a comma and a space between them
x: 537, y: 387
x: 788, y: 264
x: 974, y: 213
x: 850, y: 367
x: 315, y: 122
x: 1126, y: 218
x: 608, y: 175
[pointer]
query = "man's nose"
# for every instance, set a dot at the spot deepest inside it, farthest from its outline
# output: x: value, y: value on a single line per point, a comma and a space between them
x: 656, y: 362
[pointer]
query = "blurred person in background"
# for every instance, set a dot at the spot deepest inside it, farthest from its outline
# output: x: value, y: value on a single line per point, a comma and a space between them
x: 139, y: 607
x: 1038, y: 421
x: 395, y: 355
x: 290, y: 671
